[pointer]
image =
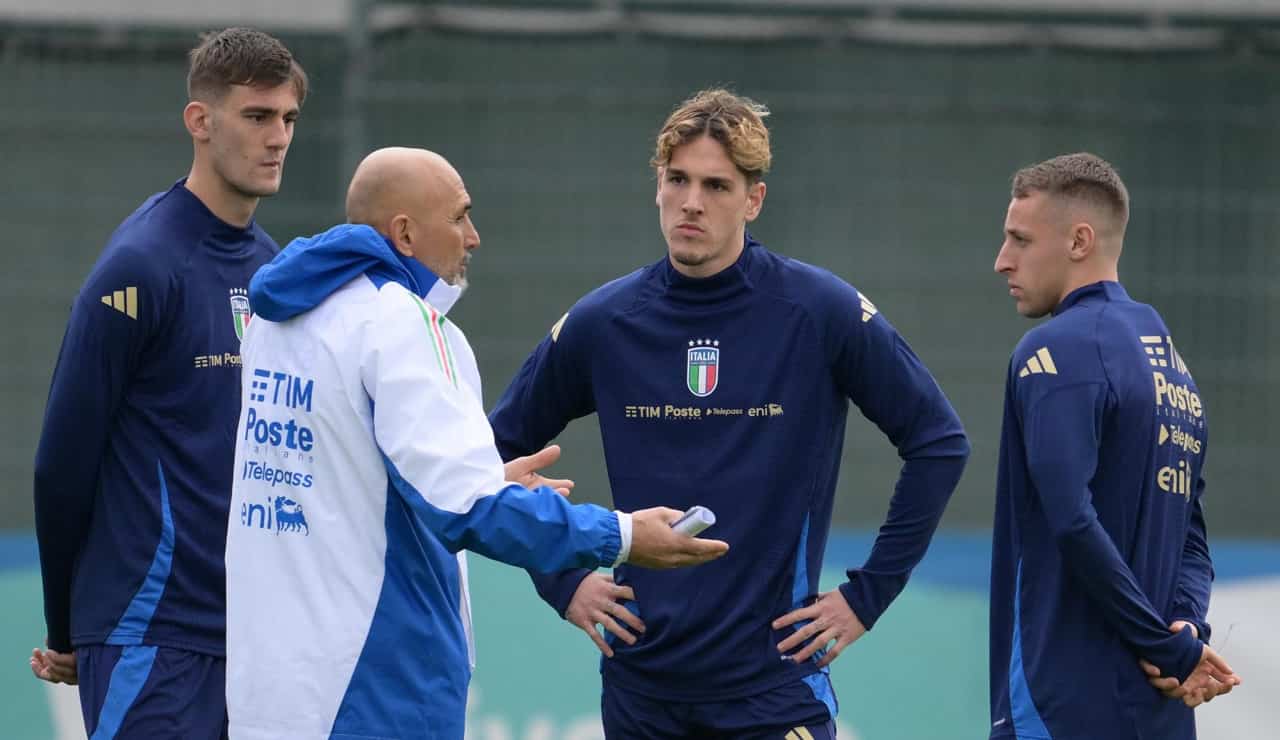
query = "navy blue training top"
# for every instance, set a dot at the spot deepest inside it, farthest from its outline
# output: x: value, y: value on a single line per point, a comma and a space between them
x: 1099, y: 540
x: 732, y: 392
x: 133, y: 471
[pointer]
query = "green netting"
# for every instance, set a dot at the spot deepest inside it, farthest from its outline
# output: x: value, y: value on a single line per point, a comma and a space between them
x: 891, y: 169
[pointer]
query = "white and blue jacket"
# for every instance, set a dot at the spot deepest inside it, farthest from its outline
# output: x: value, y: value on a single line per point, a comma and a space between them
x: 364, y: 464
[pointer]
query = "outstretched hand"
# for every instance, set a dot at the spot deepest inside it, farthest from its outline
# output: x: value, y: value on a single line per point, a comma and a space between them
x: 526, y: 470
x: 654, y: 544
x: 830, y: 619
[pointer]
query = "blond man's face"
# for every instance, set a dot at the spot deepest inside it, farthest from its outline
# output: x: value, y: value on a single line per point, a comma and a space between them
x: 704, y: 204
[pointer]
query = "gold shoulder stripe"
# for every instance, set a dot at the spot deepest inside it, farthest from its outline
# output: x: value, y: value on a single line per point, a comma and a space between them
x: 1046, y: 361
x: 125, y: 301
x: 868, y: 308
x: 1041, y: 363
x: 555, y: 328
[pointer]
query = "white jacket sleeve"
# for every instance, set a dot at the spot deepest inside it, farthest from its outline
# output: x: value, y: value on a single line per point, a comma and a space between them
x: 440, y: 456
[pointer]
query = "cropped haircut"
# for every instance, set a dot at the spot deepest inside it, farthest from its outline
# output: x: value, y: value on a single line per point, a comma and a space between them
x: 241, y: 56
x: 1081, y: 176
x: 736, y: 122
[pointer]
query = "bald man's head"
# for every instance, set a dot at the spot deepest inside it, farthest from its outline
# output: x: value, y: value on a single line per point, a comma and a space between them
x: 417, y: 200
x: 389, y: 179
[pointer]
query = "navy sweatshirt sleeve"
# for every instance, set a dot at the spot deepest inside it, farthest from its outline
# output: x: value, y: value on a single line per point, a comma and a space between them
x: 547, y: 393
x: 877, y: 370
x: 111, y: 320
x: 1195, y: 579
x: 1062, y: 429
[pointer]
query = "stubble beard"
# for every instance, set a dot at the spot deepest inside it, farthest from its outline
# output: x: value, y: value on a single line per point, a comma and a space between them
x: 688, y: 254
x: 459, y: 280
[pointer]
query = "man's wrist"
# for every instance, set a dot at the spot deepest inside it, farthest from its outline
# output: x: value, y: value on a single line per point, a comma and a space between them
x: 624, y: 531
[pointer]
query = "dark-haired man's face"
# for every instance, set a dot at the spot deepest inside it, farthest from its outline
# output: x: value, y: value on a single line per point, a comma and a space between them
x: 250, y: 130
x: 1035, y: 256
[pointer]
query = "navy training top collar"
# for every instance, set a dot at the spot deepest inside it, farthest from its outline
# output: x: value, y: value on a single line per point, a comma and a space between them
x: 729, y: 281
x: 225, y: 235
x: 1107, y: 290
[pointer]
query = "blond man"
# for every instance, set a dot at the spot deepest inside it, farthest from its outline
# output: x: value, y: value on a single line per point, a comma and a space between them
x: 724, y: 372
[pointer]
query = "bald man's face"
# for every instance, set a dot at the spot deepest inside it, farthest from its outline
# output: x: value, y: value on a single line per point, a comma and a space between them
x: 447, y: 234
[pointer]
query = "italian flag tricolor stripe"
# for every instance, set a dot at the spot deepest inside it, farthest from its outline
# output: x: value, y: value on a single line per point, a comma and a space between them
x: 448, y: 348
x: 439, y: 341
x: 702, y: 377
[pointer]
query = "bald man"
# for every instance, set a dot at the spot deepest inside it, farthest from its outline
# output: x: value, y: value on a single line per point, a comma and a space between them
x: 365, y: 465
x: 1100, y: 562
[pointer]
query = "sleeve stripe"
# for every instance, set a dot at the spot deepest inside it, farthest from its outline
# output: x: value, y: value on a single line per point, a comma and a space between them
x: 448, y: 348
x: 1047, y: 361
x: 438, y: 341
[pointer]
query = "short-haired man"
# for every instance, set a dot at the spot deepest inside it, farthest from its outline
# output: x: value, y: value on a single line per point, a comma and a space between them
x: 133, y: 470
x: 721, y: 376
x: 1099, y: 556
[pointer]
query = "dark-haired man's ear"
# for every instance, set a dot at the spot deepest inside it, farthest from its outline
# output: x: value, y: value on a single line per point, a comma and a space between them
x: 196, y: 118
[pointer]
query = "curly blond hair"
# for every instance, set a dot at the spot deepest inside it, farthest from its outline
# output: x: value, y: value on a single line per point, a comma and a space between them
x: 735, y: 121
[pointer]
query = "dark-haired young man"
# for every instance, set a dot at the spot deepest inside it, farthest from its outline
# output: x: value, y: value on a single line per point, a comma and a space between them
x: 133, y: 470
x: 1099, y: 559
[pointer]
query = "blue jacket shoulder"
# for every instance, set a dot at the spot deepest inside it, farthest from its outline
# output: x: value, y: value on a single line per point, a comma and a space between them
x: 1063, y: 350
x: 836, y: 307
x: 156, y: 230
x: 616, y: 296
x: 816, y: 288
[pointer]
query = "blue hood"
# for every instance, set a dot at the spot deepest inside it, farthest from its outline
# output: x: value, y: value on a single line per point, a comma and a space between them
x: 310, y: 269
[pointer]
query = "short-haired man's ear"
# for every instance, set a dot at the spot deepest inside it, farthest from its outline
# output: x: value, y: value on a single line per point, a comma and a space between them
x: 1083, y: 240
x: 196, y: 118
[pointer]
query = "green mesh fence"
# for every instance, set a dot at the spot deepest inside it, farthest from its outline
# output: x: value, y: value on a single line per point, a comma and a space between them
x: 891, y: 169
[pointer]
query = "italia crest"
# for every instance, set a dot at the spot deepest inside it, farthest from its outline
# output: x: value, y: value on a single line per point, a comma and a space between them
x: 702, y: 366
x: 240, y: 313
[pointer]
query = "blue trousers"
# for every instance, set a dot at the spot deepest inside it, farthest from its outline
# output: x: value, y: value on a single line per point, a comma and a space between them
x: 793, y: 711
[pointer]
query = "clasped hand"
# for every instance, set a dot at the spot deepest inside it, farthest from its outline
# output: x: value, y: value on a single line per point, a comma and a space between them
x: 1211, y: 678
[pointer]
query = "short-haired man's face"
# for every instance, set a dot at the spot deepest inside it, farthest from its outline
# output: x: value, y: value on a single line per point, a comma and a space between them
x: 250, y: 129
x: 704, y: 205
x: 1035, y: 255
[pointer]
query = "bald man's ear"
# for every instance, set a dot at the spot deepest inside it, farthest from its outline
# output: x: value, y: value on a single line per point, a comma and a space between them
x: 401, y: 234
